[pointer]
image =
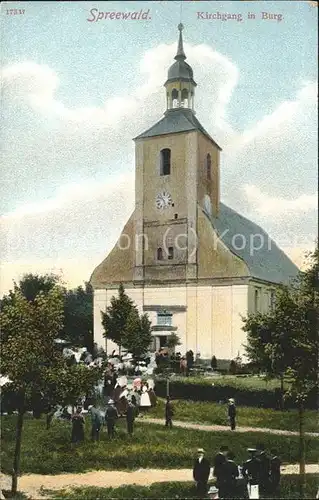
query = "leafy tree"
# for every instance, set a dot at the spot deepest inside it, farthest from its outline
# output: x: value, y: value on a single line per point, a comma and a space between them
x: 30, y: 286
x: 285, y: 341
x: 115, y: 319
x: 39, y: 375
x: 78, y: 306
x: 137, y: 334
x: 173, y: 341
x: 78, y: 316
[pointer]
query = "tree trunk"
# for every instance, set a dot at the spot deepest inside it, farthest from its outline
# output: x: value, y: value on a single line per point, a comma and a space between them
x: 49, y: 418
x: 282, y: 402
x: 302, y: 454
x: 17, y: 452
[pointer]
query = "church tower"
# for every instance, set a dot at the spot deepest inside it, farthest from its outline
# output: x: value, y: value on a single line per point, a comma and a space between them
x: 177, y: 168
x: 183, y: 256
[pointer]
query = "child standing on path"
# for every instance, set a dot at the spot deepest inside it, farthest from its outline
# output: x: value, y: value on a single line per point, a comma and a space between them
x: 169, y: 412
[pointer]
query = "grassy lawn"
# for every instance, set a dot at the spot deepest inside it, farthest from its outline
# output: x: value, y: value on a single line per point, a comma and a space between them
x: 152, y: 446
x: 289, y: 489
x: 214, y: 413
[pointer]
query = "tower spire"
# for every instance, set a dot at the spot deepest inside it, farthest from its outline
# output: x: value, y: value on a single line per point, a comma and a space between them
x: 180, y: 50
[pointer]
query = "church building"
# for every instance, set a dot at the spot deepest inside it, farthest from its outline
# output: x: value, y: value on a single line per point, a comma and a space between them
x: 192, y: 263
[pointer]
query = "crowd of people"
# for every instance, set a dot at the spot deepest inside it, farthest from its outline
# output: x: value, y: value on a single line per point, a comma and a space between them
x: 259, y: 474
x: 120, y: 400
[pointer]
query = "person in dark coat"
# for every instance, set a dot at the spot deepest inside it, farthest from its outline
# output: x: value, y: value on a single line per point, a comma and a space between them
x: 219, y: 460
x: 169, y: 413
x: 130, y: 417
x: 228, y: 476
x: 275, y: 464
x: 111, y: 416
x: 213, y: 363
x: 77, y: 420
x: 264, y: 468
x: 251, y: 468
x: 108, y: 383
x: 152, y: 396
x: 201, y: 471
x: 232, y: 414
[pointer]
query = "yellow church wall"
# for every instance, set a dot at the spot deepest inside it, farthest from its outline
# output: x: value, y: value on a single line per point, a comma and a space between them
x: 204, y: 321
x: 191, y: 319
x: 215, y: 260
x: 239, y: 310
x: 205, y: 186
x: 211, y: 323
x: 155, y: 183
x: 262, y: 304
x: 222, y: 322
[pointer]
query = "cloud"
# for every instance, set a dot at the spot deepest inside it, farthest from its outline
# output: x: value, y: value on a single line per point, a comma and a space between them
x: 271, y: 205
x: 81, y: 219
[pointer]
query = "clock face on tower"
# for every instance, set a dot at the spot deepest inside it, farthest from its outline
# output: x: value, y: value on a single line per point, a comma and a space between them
x: 163, y: 200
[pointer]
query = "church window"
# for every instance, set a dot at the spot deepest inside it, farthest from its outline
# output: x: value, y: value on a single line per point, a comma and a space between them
x: 159, y: 254
x: 185, y: 98
x: 165, y: 165
x: 257, y: 300
x: 272, y: 299
x: 170, y: 253
x: 164, y: 318
x: 175, y: 98
x: 209, y: 167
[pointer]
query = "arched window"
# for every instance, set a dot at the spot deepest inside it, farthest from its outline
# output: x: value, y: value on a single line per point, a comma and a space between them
x: 165, y: 162
x: 175, y: 98
x: 170, y: 253
x: 159, y: 254
x: 209, y: 167
x: 185, y: 98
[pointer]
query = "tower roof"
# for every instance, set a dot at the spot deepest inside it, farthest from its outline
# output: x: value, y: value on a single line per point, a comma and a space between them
x: 180, y: 49
x: 180, y: 70
x: 174, y: 121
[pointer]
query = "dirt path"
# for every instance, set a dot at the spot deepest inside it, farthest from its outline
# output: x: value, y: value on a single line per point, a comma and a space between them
x: 32, y: 484
x: 223, y: 428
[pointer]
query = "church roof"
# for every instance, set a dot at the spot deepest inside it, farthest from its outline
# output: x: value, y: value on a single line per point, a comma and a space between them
x: 269, y: 263
x: 174, y: 121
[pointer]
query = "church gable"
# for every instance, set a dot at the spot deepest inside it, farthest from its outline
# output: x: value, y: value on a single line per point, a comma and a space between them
x: 118, y: 266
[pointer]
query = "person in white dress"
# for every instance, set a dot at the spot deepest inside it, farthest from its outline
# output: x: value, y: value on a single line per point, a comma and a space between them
x: 145, y: 403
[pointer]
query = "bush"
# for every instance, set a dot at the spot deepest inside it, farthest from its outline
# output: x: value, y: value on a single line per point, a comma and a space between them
x: 250, y: 391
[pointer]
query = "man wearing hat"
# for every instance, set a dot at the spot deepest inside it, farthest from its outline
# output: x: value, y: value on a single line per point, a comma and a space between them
x: 111, y: 416
x: 219, y: 460
x: 232, y: 413
x: 228, y: 477
x: 130, y: 417
x: 251, y: 472
x: 201, y: 472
